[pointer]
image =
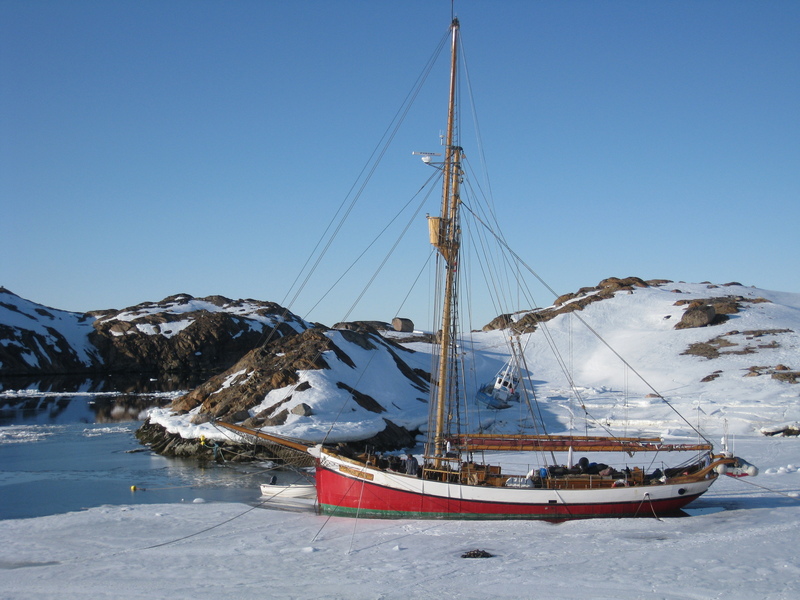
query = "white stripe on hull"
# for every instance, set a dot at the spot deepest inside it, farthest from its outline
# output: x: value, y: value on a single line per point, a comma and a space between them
x: 522, y: 496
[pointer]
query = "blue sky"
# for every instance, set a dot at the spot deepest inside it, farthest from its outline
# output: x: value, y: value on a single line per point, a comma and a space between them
x: 153, y: 148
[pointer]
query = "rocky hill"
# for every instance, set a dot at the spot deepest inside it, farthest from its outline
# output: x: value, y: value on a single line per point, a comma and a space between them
x: 177, y: 334
x: 730, y: 347
x: 711, y: 310
x: 297, y: 382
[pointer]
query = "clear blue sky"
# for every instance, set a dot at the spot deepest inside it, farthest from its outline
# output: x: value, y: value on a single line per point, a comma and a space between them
x: 150, y: 148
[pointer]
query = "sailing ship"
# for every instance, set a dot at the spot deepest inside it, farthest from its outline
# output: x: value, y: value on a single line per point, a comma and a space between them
x: 451, y: 482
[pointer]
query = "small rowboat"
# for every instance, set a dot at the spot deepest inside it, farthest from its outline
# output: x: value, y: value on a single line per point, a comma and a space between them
x: 295, y: 490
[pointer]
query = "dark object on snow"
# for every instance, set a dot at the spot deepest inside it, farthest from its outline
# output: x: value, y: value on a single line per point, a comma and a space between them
x: 477, y: 554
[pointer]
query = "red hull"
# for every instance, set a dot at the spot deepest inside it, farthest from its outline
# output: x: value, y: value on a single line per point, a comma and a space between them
x: 340, y: 495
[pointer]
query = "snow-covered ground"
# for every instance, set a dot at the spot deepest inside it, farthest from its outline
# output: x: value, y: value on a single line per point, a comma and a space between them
x: 739, y: 544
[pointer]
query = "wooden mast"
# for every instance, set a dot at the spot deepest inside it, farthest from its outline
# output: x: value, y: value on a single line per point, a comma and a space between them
x: 447, y: 243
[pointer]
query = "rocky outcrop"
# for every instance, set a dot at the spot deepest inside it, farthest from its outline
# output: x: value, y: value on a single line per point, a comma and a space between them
x: 744, y: 343
x: 184, y: 334
x: 711, y: 311
x: 234, y: 392
x: 273, y: 383
x: 783, y: 430
x: 780, y: 372
x: 173, y: 445
x: 698, y: 313
x: 527, y: 321
x: 277, y: 366
x: 372, y: 326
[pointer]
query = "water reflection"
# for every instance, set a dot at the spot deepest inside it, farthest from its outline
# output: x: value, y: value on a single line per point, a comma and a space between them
x: 123, y: 383
x: 68, y: 444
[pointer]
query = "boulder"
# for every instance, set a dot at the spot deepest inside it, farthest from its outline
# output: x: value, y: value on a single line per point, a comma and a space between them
x: 697, y: 316
x: 302, y: 409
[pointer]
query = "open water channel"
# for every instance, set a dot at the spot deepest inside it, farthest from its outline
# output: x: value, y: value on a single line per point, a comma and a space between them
x: 69, y: 445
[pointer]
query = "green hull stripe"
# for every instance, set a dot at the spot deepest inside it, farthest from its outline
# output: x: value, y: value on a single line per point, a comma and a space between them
x: 341, y: 511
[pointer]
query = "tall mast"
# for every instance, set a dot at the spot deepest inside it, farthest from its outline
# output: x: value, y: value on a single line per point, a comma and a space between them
x: 446, y: 240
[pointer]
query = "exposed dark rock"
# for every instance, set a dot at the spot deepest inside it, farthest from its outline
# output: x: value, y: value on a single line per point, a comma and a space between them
x: 45, y: 352
x: 363, y: 400
x: 697, y: 316
x: 785, y: 431
x: 259, y: 372
x: 392, y: 437
x: 477, y: 554
x: 627, y: 284
x: 173, y: 445
x: 155, y: 337
x: 699, y: 311
x: 364, y: 326
x: 233, y: 395
x: 527, y: 321
x: 779, y: 372
x: 179, y: 334
x: 713, y: 348
x: 302, y: 409
x: 711, y: 377
x: 500, y: 322
x: 709, y: 349
x: 275, y: 367
x: 788, y: 376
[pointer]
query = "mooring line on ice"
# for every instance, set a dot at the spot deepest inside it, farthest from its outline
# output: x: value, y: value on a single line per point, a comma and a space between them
x: 207, y: 529
x: 792, y: 495
x: 83, y: 559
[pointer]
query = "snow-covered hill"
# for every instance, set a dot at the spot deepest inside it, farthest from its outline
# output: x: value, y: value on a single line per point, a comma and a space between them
x: 38, y: 338
x: 747, y: 382
x: 745, y: 385
x: 179, y: 333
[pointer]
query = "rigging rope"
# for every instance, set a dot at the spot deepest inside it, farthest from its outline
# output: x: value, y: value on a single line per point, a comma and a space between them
x: 594, y: 332
x: 413, y: 285
x: 374, y: 240
x: 367, y: 172
x: 789, y: 495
